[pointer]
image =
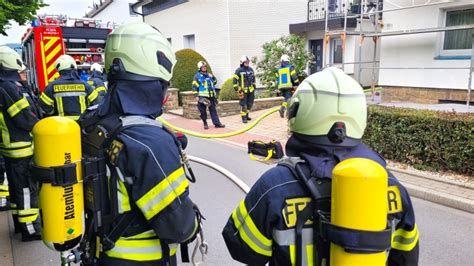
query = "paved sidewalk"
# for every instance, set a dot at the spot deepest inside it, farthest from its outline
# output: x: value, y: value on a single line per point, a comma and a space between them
x: 435, y: 189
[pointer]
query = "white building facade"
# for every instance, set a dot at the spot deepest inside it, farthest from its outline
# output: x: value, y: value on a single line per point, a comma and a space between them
x: 113, y: 12
x: 224, y: 30
x: 437, y: 49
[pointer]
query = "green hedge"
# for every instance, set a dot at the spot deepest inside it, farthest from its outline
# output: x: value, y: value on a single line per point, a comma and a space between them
x: 227, y: 92
x: 186, y: 68
x: 428, y: 140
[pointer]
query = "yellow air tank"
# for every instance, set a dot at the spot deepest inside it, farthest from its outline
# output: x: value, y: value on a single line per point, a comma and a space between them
x: 57, y: 142
x: 359, y: 201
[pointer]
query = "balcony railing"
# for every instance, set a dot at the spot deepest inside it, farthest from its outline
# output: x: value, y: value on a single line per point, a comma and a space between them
x: 336, y: 8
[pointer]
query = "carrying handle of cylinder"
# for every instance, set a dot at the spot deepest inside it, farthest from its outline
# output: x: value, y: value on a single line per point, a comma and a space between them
x: 64, y: 175
x: 255, y: 158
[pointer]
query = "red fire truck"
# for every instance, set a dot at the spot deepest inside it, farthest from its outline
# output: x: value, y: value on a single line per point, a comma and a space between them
x: 50, y: 37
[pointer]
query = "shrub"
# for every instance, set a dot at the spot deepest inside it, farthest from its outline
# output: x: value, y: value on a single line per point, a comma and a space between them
x: 186, y: 68
x: 425, y: 139
x: 227, y: 92
x: 292, y: 45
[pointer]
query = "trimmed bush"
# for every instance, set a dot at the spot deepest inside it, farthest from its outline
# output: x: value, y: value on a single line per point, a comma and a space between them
x: 428, y: 140
x: 227, y: 92
x: 186, y: 68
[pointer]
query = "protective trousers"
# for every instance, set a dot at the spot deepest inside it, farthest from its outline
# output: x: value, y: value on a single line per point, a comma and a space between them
x: 246, y: 103
x: 23, y: 196
x: 286, y: 93
x: 212, y: 110
x: 4, y: 192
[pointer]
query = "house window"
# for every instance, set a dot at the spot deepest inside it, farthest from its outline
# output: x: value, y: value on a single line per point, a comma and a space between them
x: 458, y: 39
x: 336, y: 51
x: 169, y: 40
x: 189, y: 41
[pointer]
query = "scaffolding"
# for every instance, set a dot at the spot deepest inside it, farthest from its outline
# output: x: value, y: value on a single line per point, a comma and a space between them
x: 374, y: 14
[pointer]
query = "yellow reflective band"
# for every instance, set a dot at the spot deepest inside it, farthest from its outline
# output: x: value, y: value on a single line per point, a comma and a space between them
x: 163, y: 194
x: 45, y: 98
x: 18, y: 144
x: 100, y: 89
x: 139, y: 250
x: 69, y: 87
x: 4, y: 131
x: 297, y: 81
x: 235, y: 85
x: 122, y: 197
x: 94, y: 94
x: 242, y: 80
x: 17, y: 153
x: 310, y: 254
x: 195, y: 83
x: 4, y: 193
x: 82, y: 103
x: 144, y: 235
x: 15, y: 108
x: 249, y: 232
x: 284, y: 104
x: 90, y: 82
x: 29, y: 215
x: 59, y: 102
x: 73, y: 117
x: 236, y: 77
x: 405, y: 240
x: 293, y: 73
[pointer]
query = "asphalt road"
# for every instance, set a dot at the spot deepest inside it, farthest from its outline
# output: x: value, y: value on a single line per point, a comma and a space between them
x: 446, y: 234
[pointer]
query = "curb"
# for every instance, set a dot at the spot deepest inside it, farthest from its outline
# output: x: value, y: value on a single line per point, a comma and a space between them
x: 441, y: 198
x: 435, y: 178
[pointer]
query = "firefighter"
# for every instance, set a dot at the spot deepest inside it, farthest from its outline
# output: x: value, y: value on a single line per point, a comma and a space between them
x: 244, y: 84
x: 206, y: 97
x: 68, y: 95
x: 29, y: 94
x: 287, y: 80
x: 324, y: 131
x: 16, y: 122
x: 143, y: 157
x: 97, y: 80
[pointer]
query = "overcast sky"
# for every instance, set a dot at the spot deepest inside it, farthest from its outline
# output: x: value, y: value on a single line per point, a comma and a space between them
x: 71, y: 8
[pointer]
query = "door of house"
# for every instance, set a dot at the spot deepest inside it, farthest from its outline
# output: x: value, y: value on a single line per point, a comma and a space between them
x: 316, y: 47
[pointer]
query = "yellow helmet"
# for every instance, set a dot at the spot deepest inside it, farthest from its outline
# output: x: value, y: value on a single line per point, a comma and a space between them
x: 65, y: 62
x: 10, y: 59
x: 138, y: 51
x: 329, y: 104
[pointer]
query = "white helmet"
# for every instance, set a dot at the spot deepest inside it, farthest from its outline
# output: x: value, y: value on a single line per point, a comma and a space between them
x: 244, y: 58
x: 285, y: 58
x: 96, y: 67
x: 201, y: 64
x: 65, y: 62
x: 9, y: 59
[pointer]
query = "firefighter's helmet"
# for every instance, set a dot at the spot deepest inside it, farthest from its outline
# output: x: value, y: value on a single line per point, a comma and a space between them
x: 96, y: 67
x: 243, y: 59
x: 285, y: 58
x: 138, y: 51
x: 10, y: 59
x: 201, y: 64
x: 65, y: 62
x: 329, y: 104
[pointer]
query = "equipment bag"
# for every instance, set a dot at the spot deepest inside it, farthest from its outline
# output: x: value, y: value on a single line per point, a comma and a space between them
x: 272, y: 149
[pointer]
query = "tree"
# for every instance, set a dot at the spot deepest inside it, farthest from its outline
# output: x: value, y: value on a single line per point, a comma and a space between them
x: 294, y: 47
x: 21, y: 11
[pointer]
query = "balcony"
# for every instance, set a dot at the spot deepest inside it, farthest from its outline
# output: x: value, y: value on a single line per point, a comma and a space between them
x: 336, y: 10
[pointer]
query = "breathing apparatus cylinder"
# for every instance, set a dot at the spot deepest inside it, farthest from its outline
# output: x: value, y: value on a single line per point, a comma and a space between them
x: 359, y: 202
x: 57, y: 161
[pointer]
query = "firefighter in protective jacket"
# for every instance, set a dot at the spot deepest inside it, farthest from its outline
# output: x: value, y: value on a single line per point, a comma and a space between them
x: 244, y: 84
x: 143, y: 156
x: 68, y: 95
x: 325, y: 130
x: 16, y: 123
x: 97, y: 80
x: 287, y: 80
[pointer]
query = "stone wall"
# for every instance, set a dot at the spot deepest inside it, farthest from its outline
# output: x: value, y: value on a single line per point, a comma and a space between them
x: 225, y: 108
x: 172, y: 102
x: 423, y: 95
